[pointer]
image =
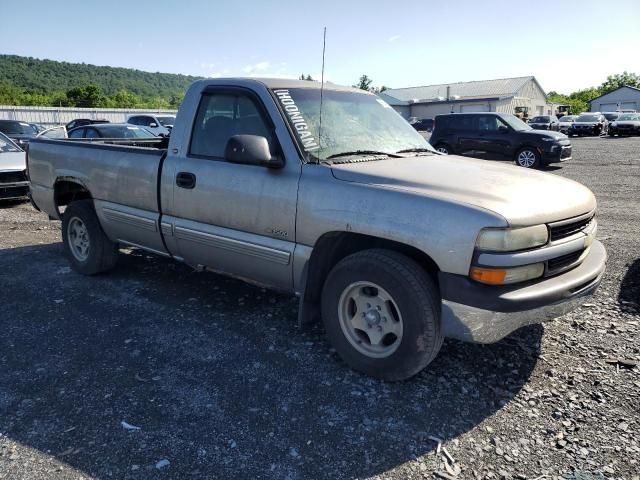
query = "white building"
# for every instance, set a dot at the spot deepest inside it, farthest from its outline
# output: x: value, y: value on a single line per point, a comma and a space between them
x: 623, y: 98
x: 507, y: 95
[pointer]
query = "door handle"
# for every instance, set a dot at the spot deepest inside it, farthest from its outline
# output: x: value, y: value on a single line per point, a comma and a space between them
x: 186, y: 180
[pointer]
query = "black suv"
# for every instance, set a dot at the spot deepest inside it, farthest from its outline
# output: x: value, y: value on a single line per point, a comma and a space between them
x: 499, y: 136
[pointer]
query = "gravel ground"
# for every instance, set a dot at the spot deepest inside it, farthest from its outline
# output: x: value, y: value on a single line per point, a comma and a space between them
x: 213, y: 379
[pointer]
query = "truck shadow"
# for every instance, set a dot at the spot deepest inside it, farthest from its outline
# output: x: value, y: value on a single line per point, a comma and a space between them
x: 630, y: 286
x: 218, y: 377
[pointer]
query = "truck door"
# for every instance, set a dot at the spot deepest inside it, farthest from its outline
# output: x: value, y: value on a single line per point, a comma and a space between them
x: 233, y: 218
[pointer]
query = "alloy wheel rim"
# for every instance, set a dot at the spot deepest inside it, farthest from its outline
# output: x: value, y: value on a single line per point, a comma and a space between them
x: 443, y: 150
x: 370, y: 319
x: 78, y: 236
x: 526, y: 158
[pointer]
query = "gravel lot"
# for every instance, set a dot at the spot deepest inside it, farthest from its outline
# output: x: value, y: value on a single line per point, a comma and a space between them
x: 223, y: 384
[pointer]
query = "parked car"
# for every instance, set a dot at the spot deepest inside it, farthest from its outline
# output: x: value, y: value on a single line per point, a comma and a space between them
x: 54, y: 132
x: 626, y: 124
x: 565, y: 122
x: 545, y: 122
x: 38, y: 128
x: 394, y: 246
x: 109, y: 130
x: 611, y: 116
x: 423, y: 124
x: 20, y: 132
x: 156, y: 124
x: 500, y: 136
x: 79, y: 122
x: 588, y: 124
x: 13, y: 178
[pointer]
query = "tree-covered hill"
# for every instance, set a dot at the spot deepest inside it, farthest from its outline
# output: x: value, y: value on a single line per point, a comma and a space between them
x: 43, y: 76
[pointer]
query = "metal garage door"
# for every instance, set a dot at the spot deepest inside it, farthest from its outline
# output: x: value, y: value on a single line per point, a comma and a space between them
x: 608, y: 107
x: 629, y: 106
x: 477, y: 107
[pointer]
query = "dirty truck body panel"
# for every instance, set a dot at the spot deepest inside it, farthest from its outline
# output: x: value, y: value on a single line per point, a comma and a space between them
x: 265, y: 224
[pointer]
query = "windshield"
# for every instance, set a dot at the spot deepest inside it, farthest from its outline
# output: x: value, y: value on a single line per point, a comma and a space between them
x: 568, y: 118
x: 610, y: 116
x: 7, y: 145
x: 629, y: 116
x: 588, y: 118
x: 514, y: 122
x: 164, y: 121
x: 125, y: 132
x: 16, y: 128
x: 351, y: 121
x: 540, y: 120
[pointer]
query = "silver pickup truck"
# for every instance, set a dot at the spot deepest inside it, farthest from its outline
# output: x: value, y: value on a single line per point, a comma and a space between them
x: 331, y: 195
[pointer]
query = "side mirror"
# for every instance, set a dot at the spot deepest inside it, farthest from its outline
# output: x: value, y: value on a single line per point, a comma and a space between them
x: 251, y: 150
x: 153, y: 124
x: 503, y: 129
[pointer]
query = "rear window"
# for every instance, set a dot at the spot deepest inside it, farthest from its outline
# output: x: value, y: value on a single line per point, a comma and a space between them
x: 456, y: 123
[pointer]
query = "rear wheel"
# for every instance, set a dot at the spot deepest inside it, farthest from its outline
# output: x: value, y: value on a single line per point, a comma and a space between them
x: 444, y: 148
x: 528, y: 158
x: 381, y: 312
x: 86, y: 246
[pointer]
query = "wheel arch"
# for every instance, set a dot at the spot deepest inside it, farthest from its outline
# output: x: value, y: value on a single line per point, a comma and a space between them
x: 67, y: 190
x: 332, y: 247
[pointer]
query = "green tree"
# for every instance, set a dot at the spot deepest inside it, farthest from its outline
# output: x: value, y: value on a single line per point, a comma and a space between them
x: 618, y: 80
x: 305, y: 77
x: 125, y: 99
x: 364, y: 83
x: 90, y: 96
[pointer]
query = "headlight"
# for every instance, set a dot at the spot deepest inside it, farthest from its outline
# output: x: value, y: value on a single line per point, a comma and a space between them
x: 503, y: 276
x: 512, y: 239
x: 548, y: 139
x: 614, y: 124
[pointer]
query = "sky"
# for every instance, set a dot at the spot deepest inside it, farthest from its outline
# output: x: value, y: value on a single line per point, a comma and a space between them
x: 567, y: 45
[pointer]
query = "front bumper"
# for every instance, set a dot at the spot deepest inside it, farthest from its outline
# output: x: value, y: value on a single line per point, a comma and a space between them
x: 9, y: 191
x: 478, y: 313
x: 557, y: 153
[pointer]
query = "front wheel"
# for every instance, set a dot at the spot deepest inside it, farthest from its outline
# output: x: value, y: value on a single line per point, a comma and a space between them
x: 528, y: 158
x: 86, y: 246
x: 381, y: 311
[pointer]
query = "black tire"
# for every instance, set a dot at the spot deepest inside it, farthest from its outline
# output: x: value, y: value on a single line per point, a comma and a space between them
x: 611, y: 134
x: 102, y: 253
x: 528, y: 152
x: 444, y: 148
x: 418, y: 302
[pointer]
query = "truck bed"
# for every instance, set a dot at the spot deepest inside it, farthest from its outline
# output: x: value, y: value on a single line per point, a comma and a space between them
x: 115, y: 171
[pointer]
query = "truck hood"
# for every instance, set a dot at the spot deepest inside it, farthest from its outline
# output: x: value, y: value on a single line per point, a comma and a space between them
x: 12, y: 161
x: 522, y: 197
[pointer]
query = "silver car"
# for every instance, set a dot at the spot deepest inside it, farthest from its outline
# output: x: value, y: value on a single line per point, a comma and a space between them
x: 13, y: 178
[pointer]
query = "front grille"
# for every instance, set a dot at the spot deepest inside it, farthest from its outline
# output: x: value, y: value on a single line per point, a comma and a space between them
x: 12, y: 177
x: 560, y: 263
x: 562, y: 231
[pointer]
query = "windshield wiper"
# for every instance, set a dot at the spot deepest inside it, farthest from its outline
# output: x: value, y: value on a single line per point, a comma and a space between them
x: 416, y: 150
x: 362, y: 152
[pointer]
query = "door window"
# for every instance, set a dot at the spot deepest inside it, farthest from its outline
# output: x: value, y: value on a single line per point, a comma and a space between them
x: 488, y: 123
x: 220, y: 116
x: 134, y: 121
x: 92, y: 133
x: 77, y: 133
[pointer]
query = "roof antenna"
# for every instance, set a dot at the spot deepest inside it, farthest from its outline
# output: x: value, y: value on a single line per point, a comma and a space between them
x: 324, y: 45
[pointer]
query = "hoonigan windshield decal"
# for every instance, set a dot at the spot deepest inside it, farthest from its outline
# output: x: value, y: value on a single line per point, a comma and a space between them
x: 297, y: 120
